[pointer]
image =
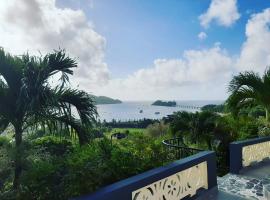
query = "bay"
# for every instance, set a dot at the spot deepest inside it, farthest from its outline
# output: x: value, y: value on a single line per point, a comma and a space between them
x: 130, y: 110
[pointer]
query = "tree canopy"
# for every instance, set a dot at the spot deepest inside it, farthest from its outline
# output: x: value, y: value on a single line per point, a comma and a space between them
x: 249, y: 89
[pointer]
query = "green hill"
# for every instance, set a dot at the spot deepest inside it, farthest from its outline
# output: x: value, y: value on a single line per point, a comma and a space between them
x: 164, y: 103
x: 214, y: 108
x: 105, y: 100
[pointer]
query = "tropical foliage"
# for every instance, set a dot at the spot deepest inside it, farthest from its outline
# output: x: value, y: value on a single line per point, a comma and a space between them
x: 249, y: 89
x: 194, y: 127
x: 157, y: 129
x: 58, y: 169
x: 28, y: 98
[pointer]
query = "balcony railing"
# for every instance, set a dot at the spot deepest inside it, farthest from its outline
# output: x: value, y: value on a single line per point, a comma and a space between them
x: 176, y: 149
x: 178, y: 180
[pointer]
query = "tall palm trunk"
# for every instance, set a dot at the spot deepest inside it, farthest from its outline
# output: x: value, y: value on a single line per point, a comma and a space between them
x: 267, y: 117
x: 18, y: 156
x: 209, y: 144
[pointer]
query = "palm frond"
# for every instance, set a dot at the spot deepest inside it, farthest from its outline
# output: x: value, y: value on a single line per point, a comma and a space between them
x: 27, y: 96
x: 82, y: 101
x: 244, y: 97
x: 10, y: 69
x: 58, y: 62
x: 7, y: 101
x: 266, y: 80
x: 80, y: 129
x: 52, y: 119
x: 246, y: 79
x: 249, y: 89
x: 3, y: 123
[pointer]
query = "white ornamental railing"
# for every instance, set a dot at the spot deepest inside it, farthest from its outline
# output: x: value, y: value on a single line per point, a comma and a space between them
x: 177, y: 186
x: 255, y: 153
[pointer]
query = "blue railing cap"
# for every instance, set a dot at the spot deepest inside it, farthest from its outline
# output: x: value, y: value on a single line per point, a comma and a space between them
x: 251, y: 141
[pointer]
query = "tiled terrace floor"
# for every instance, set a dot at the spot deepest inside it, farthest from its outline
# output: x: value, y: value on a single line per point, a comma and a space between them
x: 248, y: 184
x: 219, y: 195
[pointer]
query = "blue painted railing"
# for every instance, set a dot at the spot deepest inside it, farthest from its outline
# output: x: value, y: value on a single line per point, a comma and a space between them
x: 245, y: 153
x: 135, y: 187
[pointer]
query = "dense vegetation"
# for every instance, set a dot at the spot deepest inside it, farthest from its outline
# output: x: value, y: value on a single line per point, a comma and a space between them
x: 47, y: 152
x: 214, y: 108
x: 57, y: 168
x: 248, y: 89
x: 104, y: 100
x: 164, y: 103
x: 142, y: 123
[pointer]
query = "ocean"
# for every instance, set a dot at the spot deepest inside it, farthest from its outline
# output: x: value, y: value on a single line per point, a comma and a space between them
x: 135, y: 110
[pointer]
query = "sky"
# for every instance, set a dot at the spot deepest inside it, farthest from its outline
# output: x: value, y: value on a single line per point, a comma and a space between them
x: 145, y: 50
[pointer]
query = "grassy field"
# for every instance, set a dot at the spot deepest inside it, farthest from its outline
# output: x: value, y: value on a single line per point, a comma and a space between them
x: 124, y: 130
x: 131, y: 130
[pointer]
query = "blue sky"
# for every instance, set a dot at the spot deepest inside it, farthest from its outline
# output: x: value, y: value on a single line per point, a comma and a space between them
x: 139, y: 31
x: 145, y: 49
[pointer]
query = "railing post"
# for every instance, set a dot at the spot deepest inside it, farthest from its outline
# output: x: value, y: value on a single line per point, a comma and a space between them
x: 212, y: 170
x: 235, y: 158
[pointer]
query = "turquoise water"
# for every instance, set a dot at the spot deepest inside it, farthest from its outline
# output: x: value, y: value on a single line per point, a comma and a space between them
x: 131, y: 110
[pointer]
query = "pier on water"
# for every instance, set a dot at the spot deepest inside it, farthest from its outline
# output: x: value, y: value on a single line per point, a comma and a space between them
x: 189, y: 107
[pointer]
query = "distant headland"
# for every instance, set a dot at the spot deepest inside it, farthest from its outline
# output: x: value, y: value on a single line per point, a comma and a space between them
x: 164, y: 103
x: 105, y: 100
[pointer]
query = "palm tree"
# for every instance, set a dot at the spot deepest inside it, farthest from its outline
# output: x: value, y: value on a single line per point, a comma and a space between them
x: 197, y: 127
x: 205, y: 123
x: 27, y: 97
x: 250, y: 89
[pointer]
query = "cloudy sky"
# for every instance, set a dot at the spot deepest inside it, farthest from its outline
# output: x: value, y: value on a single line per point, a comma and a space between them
x: 145, y: 50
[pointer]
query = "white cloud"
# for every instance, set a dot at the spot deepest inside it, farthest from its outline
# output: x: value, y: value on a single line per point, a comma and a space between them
x: 38, y: 25
x: 199, y: 74
x: 224, y: 12
x: 196, y: 69
x: 202, y: 35
x: 255, y: 53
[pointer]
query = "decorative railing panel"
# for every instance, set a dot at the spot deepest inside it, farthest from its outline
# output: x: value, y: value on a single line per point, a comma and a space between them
x: 175, y: 181
x: 177, y: 186
x: 255, y: 153
x: 245, y: 153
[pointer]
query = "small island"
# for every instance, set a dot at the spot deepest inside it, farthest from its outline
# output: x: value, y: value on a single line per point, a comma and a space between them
x: 164, y: 103
x: 214, y: 108
x: 105, y: 100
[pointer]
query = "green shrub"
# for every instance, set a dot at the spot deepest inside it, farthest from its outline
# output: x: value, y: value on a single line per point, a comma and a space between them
x: 4, y: 141
x: 110, y: 163
x: 53, y: 145
x: 87, y: 163
x: 264, y: 130
x: 5, y: 163
x: 43, y: 180
x: 157, y: 129
x: 56, y: 169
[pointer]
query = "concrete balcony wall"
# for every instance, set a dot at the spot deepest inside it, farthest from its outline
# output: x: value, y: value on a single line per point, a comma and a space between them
x: 247, y: 152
